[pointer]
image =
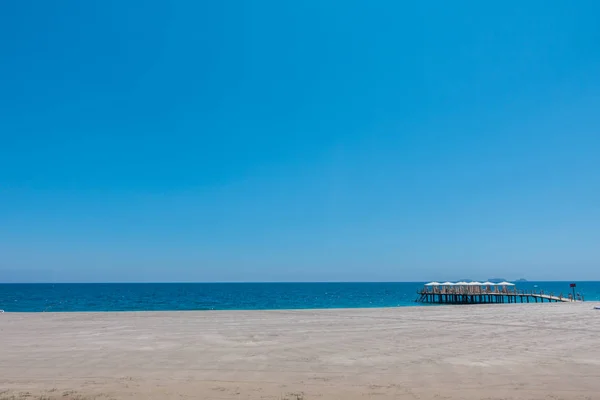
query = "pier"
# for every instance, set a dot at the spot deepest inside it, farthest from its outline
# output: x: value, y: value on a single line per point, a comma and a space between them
x: 485, y: 293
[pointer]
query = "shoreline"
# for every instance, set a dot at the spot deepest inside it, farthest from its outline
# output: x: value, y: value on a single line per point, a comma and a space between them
x: 416, y: 305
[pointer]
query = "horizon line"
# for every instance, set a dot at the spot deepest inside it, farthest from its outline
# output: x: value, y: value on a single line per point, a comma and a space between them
x: 251, y: 282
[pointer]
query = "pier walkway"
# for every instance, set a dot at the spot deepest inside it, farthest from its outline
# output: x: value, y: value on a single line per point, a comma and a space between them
x: 440, y: 297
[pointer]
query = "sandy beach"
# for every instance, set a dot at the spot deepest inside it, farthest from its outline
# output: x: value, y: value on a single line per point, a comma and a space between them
x: 533, y: 351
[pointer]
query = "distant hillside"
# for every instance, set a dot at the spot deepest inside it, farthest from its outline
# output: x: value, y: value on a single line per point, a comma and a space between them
x: 496, y: 280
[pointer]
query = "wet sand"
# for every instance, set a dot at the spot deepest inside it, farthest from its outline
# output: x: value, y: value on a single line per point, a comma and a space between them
x: 532, y: 351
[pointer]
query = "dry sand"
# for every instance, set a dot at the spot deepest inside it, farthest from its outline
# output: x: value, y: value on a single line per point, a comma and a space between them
x: 534, y: 351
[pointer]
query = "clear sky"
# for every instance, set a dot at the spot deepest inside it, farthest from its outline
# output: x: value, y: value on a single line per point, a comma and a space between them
x: 299, y: 141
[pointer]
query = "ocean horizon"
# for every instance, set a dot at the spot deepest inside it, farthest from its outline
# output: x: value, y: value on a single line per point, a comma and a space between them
x: 198, y: 296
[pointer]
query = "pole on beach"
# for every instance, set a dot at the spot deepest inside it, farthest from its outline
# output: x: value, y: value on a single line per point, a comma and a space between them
x: 573, y: 285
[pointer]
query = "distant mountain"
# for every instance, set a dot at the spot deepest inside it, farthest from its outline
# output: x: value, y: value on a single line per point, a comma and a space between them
x: 521, y: 280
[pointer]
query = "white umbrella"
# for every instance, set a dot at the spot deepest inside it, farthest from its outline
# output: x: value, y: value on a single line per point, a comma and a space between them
x: 488, y: 284
x: 448, y: 284
x: 433, y: 284
x: 462, y: 283
x: 505, y: 284
x: 475, y: 283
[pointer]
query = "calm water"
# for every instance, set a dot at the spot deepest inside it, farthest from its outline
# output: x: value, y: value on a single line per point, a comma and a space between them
x: 227, y: 296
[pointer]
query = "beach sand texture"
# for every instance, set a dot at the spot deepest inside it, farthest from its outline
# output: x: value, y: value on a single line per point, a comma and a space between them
x: 530, y: 351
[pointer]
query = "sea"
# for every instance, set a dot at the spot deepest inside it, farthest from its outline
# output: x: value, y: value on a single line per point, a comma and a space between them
x: 231, y: 296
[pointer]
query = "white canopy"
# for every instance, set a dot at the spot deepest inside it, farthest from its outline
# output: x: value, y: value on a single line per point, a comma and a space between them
x: 488, y: 283
x: 474, y: 283
x: 462, y: 283
x: 505, y: 284
x: 433, y: 284
x: 448, y: 284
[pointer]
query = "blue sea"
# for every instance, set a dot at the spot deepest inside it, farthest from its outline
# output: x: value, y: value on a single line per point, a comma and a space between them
x: 229, y: 296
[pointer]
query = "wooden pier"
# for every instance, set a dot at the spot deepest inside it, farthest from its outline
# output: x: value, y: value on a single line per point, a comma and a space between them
x: 441, y: 297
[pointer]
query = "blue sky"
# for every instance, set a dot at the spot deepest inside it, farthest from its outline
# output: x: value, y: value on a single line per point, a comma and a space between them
x: 299, y: 141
